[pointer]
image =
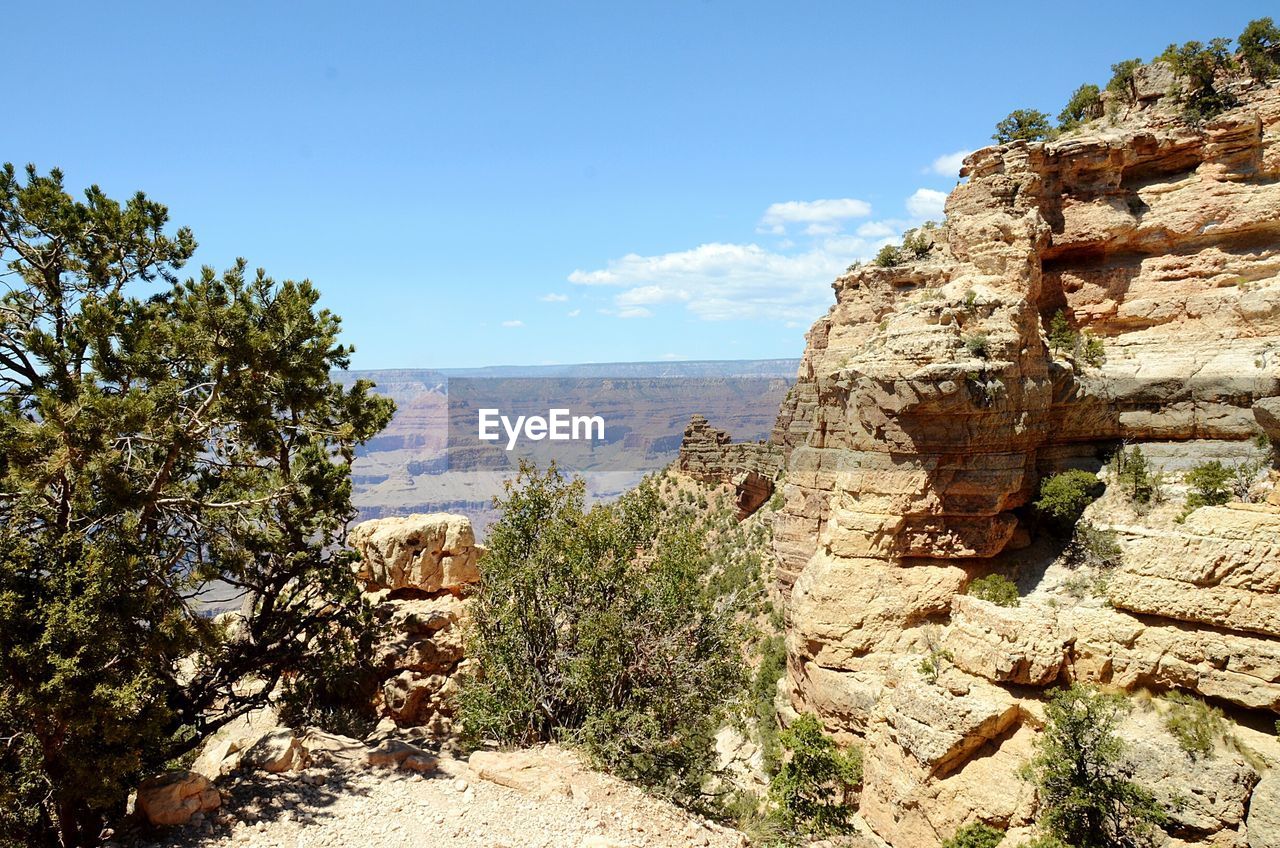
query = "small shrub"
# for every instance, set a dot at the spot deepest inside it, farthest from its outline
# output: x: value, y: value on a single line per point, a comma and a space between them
x: 975, y: 835
x: 1133, y: 475
x: 889, y: 256
x: 1085, y: 105
x: 1123, y: 85
x: 934, y: 657
x: 978, y: 345
x: 917, y: 243
x: 853, y: 266
x: 1086, y: 795
x: 1094, y: 547
x: 997, y: 589
x: 597, y: 626
x: 1260, y: 49
x: 812, y: 789
x: 1023, y: 125
x: 1061, y: 336
x: 1243, y: 475
x: 1210, y: 483
x: 1199, y: 66
x: 1063, y: 497
x: 1090, y: 349
x: 1194, y: 724
x: 764, y: 687
x: 970, y: 300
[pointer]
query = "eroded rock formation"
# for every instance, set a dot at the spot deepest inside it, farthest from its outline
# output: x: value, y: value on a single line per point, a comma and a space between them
x: 929, y: 406
x: 419, y: 569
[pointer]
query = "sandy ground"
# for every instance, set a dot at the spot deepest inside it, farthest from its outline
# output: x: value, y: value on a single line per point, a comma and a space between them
x: 452, y: 805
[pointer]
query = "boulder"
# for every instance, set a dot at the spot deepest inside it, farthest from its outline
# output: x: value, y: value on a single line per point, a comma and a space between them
x: 278, y: 750
x: 941, y: 723
x: 1264, y: 813
x: 174, y: 797
x: 539, y: 772
x: 1266, y: 411
x: 1203, y: 795
x: 428, y: 553
x: 1006, y: 644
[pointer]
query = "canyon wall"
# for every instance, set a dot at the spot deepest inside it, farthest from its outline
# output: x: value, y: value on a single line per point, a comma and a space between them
x: 929, y: 407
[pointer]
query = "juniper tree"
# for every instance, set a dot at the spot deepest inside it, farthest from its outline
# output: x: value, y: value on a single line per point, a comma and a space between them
x: 159, y: 439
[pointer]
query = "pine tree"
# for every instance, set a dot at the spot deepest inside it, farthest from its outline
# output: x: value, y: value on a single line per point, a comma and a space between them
x: 159, y: 438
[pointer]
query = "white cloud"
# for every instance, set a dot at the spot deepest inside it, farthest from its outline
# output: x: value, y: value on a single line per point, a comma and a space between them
x: 553, y: 297
x: 948, y: 164
x: 813, y: 212
x: 649, y: 295
x: 875, y: 230
x: 574, y: 313
x: 722, y: 281
x: 673, y: 357
x: 513, y: 323
x: 927, y: 203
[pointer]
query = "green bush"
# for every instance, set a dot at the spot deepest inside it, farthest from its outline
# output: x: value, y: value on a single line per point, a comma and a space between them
x: 995, y: 588
x: 1085, y: 105
x: 1023, y: 125
x: 1094, y: 547
x: 1210, y: 483
x: 813, y: 788
x: 1123, y: 84
x: 975, y: 835
x: 596, y: 627
x: 1063, y: 497
x: 918, y: 243
x: 1260, y: 49
x: 978, y: 345
x: 1199, y: 66
x: 1061, y: 335
x: 889, y: 256
x: 1134, y: 476
x: 1090, y: 349
x: 1063, y: 338
x: 764, y: 688
x: 1194, y: 724
x: 1087, y: 799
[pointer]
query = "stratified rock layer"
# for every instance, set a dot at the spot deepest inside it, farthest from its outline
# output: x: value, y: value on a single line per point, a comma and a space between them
x: 930, y: 403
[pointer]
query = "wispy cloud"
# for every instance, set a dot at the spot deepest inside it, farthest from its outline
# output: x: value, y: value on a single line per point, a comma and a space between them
x: 719, y: 281
x: 554, y: 297
x: 574, y: 313
x: 927, y: 203
x: 948, y: 164
x: 513, y: 323
x: 822, y: 216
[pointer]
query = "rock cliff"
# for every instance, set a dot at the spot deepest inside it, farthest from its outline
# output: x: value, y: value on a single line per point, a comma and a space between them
x: 930, y: 405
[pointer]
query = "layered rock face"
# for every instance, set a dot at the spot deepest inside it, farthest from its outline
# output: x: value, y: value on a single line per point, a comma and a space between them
x: 930, y: 405
x: 419, y: 569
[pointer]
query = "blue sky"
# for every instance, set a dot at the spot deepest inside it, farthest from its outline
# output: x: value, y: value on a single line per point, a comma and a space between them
x: 477, y: 183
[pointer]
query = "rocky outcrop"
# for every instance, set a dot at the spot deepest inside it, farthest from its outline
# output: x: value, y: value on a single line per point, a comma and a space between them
x: 423, y: 553
x: 931, y: 401
x: 711, y: 456
x: 419, y: 570
x: 174, y: 798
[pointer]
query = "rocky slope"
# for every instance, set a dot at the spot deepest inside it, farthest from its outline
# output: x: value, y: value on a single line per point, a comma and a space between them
x: 929, y: 407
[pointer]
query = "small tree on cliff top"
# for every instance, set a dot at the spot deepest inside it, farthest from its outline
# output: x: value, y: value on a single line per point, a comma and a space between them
x: 157, y: 438
x: 1023, y: 125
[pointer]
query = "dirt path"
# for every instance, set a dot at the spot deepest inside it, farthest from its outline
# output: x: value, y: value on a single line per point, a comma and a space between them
x: 550, y: 801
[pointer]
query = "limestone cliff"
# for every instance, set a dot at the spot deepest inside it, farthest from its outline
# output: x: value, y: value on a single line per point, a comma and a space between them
x: 930, y: 405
